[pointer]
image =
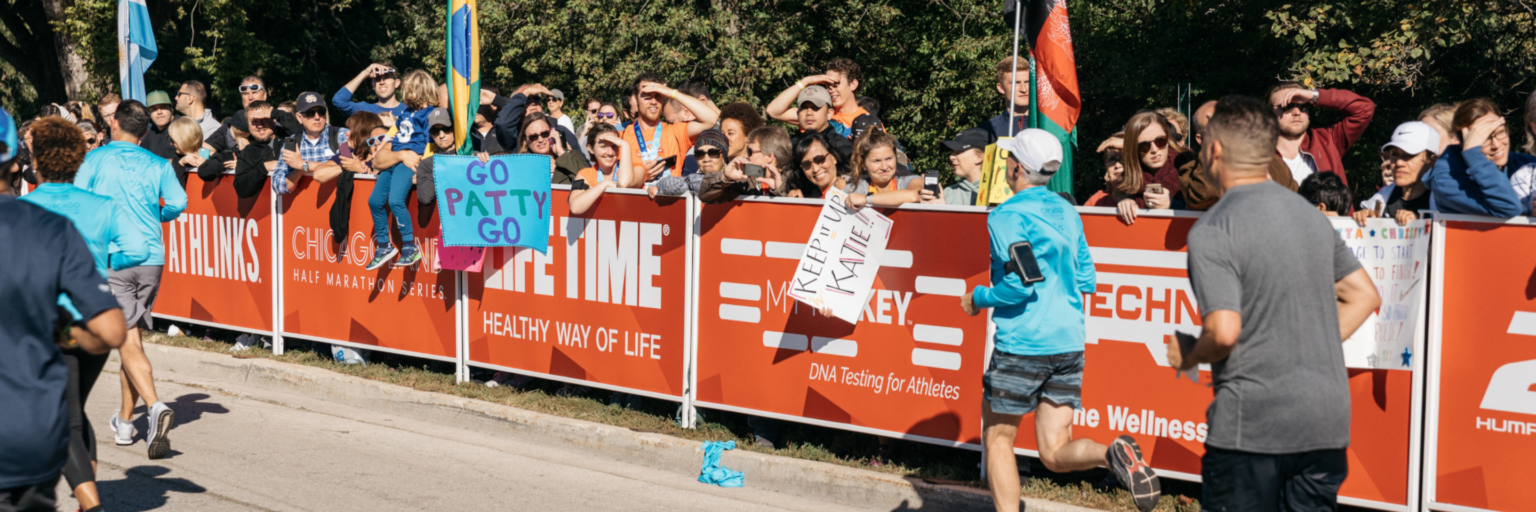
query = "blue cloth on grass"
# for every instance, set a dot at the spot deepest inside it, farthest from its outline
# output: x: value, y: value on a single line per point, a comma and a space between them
x: 712, y: 472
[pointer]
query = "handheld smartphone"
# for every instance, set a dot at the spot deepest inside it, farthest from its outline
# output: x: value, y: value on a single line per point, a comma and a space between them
x: 345, y: 150
x: 1156, y: 188
x: 931, y: 182
x: 753, y: 170
x: 671, y: 161
x: 291, y: 145
x: 1021, y: 260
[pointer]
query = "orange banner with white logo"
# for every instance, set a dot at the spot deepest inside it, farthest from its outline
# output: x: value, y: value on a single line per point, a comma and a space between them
x: 327, y: 294
x: 1143, y: 295
x: 218, y: 259
x: 1481, y: 416
x: 910, y: 367
x: 607, y: 304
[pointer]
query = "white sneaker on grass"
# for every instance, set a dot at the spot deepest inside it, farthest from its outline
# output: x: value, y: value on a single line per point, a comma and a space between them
x: 245, y: 342
x: 122, y: 431
x: 161, y: 417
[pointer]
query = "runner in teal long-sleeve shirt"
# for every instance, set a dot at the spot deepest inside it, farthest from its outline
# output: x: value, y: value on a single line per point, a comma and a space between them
x: 137, y: 180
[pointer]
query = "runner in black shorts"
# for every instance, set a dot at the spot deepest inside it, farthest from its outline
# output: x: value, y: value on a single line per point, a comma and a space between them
x: 1037, y: 361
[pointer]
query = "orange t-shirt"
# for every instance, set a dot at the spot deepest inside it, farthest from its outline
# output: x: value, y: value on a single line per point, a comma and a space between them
x: 847, y: 119
x: 590, y: 175
x: 674, y: 142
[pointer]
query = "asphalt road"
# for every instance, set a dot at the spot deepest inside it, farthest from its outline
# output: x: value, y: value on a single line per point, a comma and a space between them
x: 253, y: 449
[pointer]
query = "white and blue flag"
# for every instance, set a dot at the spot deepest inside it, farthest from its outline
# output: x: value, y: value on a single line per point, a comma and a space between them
x: 135, y: 47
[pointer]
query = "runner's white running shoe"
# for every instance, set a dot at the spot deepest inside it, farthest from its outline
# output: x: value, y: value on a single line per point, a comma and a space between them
x: 122, y: 431
x: 160, y: 420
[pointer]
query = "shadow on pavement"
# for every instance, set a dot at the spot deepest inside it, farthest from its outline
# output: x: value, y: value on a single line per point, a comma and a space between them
x: 188, y: 408
x: 144, y: 489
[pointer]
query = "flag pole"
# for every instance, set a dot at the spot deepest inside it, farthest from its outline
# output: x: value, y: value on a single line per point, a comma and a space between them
x: 1013, y: 81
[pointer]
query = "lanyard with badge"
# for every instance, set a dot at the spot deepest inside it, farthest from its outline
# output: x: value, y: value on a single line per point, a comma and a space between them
x: 649, y: 151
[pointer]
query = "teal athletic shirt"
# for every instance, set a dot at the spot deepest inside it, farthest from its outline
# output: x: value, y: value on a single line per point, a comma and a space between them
x: 1046, y: 317
x: 136, y: 180
x: 95, y: 217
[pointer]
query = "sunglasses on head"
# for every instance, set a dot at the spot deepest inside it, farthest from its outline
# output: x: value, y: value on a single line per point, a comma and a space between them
x: 250, y: 88
x: 261, y: 122
x: 810, y: 106
x: 312, y: 113
x: 538, y: 135
x: 711, y: 153
x: 377, y: 139
x: 1144, y: 147
x: 1283, y: 110
x: 815, y: 160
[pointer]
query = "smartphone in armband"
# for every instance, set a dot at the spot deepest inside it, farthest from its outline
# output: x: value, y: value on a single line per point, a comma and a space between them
x: 1021, y: 261
x: 931, y: 183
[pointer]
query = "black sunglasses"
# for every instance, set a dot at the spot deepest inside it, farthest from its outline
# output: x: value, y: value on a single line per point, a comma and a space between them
x: 810, y: 106
x: 751, y: 152
x: 815, y: 160
x: 711, y: 153
x: 250, y: 88
x: 538, y: 135
x: 1161, y: 142
x: 314, y: 112
x: 1112, y: 158
x: 1305, y: 109
x: 436, y: 130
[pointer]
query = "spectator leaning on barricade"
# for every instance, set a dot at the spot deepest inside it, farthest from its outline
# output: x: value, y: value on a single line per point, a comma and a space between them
x: 709, y: 152
x: 1179, y: 125
x: 138, y: 181
x: 1017, y: 85
x: 1523, y: 179
x: 60, y: 150
x: 1037, y: 360
x: 385, y: 81
x: 510, y: 119
x: 157, y: 140
x: 1471, y: 177
x: 441, y: 142
x: 967, y: 157
x: 816, y: 168
x: 45, y: 258
x: 260, y: 156
x: 482, y: 127
x: 737, y: 119
x: 767, y: 147
x: 252, y: 89
x: 655, y: 141
x: 1307, y: 149
x: 612, y: 166
x: 1407, y: 157
x: 1324, y: 191
x: 187, y: 137
x: 875, y: 179
x: 1149, y: 156
x: 1278, y: 291
x: 540, y: 137
x: 1194, y: 184
x: 312, y: 152
x: 190, y: 102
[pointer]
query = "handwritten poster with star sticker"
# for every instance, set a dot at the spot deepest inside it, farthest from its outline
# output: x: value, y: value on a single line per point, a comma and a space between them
x: 1397, y: 260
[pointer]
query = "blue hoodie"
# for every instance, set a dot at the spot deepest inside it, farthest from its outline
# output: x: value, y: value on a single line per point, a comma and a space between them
x: 137, y: 181
x: 1042, y: 318
x: 1465, y: 181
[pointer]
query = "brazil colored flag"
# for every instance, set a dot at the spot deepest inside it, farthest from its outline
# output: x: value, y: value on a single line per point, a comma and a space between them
x: 463, y: 69
x: 1055, y: 101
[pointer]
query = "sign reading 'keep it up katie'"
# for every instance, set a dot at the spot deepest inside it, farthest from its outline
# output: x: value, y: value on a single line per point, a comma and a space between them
x: 500, y: 203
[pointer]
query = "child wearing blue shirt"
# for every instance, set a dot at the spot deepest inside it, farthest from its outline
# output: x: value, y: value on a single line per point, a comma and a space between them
x: 392, y: 186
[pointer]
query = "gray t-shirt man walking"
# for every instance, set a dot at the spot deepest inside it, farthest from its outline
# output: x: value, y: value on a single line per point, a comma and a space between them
x: 1279, y: 292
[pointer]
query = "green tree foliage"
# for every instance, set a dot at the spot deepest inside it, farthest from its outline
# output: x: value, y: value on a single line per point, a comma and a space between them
x: 928, y: 63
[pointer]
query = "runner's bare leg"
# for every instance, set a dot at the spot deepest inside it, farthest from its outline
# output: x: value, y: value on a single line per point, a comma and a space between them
x: 1059, y: 452
x: 1000, y: 430
x: 137, y: 376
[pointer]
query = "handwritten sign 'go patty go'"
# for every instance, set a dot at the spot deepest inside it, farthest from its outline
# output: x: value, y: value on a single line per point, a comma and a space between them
x: 500, y: 203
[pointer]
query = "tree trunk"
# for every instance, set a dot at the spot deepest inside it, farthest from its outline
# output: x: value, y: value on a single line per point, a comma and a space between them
x: 71, y: 65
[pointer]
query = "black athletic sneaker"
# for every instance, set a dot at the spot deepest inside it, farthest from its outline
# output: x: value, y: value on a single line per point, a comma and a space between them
x: 1125, y: 462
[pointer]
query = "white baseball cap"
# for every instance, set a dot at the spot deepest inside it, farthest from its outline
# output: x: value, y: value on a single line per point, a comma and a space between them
x: 1036, y: 149
x: 1414, y: 137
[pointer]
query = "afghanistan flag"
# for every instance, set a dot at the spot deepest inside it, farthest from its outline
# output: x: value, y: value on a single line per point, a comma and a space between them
x: 463, y: 81
x: 1055, y: 101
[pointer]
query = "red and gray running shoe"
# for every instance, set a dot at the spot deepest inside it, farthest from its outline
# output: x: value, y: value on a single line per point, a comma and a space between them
x: 1133, y: 472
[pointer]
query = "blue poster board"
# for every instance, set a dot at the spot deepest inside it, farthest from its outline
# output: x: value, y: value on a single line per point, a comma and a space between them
x: 500, y: 203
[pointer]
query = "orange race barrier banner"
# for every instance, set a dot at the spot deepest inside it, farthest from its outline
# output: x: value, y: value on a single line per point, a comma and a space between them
x: 910, y: 368
x: 218, y: 259
x: 327, y: 295
x: 607, y: 304
x: 1481, y: 418
x: 1143, y: 295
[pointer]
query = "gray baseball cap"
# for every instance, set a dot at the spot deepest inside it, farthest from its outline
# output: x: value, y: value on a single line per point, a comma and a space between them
x: 439, y: 116
x: 555, y: 93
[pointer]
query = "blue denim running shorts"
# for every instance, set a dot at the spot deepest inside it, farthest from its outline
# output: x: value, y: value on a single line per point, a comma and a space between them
x: 1015, y: 384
